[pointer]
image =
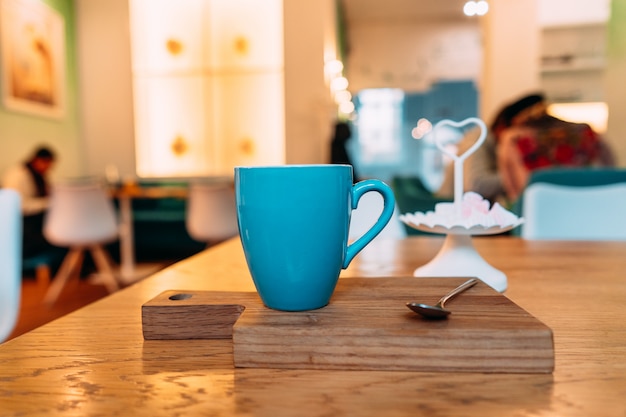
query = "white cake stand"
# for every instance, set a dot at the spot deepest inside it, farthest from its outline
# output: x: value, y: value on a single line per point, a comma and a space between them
x: 458, y: 257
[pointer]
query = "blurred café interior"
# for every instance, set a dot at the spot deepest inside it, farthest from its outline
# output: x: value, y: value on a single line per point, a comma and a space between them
x: 163, y: 93
x: 159, y: 90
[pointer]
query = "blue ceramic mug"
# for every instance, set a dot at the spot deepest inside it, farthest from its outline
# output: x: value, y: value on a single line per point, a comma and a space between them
x: 293, y: 223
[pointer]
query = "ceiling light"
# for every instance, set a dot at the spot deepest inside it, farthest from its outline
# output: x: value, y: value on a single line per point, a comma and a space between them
x: 476, y: 8
x: 482, y: 7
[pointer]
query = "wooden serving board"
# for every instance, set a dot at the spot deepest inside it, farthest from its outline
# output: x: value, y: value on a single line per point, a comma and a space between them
x: 366, y: 326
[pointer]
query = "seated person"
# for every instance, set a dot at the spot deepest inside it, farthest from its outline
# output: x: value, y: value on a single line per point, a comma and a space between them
x: 536, y: 140
x: 30, y: 180
x: 494, y: 172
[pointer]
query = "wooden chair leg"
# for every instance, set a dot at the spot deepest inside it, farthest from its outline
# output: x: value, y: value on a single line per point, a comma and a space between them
x: 71, y: 262
x: 42, y: 276
x: 103, y: 263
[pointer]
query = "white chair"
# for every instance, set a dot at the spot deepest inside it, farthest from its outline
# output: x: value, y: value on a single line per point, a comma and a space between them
x: 10, y: 260
x: 562, y: 212
x: 81, y: 216
x: 211, y: 212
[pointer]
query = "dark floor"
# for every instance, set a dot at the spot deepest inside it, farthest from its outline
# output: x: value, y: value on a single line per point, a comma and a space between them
x: 77, y: 294
x: 34, y: 313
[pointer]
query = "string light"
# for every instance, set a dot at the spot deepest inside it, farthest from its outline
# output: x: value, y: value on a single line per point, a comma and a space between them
x: 346, y: 107
x: 339, y: 86
x: 333, y: 67
x: 342, y: 96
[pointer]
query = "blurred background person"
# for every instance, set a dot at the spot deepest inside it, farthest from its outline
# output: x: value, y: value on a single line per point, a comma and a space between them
x: 532, y: 139
x: 30, y: 180
x: 537, y: 140
x: 339, y: 153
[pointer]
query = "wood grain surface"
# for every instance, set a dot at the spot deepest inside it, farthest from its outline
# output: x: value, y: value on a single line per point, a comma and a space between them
x: 95, y: 361
x: 180, y: 315
x: 366, y: 326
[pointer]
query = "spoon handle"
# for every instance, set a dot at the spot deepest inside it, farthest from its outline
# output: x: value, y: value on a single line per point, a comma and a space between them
x: 467, y: 284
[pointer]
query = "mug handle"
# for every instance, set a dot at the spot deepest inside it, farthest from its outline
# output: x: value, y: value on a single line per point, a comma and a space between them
x: 389, y: 204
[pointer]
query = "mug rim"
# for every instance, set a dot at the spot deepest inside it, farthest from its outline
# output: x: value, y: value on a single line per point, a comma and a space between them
x: 287, y: 166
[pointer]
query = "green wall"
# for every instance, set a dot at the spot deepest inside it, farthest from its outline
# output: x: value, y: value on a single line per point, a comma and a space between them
x: 617, y: 30
x: 21, y: 132
x: 615, y: 86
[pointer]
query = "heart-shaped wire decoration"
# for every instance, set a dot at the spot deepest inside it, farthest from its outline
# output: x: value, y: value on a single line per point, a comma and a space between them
x: 460, y: 159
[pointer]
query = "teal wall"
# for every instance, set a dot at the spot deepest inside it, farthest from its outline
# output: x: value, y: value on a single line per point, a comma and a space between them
x: 21, y: 132
x: 454, y: 100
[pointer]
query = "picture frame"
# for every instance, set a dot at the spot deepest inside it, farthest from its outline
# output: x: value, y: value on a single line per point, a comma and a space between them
x: 32, y: 49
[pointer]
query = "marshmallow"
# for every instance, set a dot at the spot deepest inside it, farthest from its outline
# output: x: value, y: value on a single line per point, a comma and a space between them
x: 472, y: 211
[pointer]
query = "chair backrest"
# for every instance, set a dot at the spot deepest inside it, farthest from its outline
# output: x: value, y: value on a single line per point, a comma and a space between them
x: 579, y: 177
x: 80, y: 213
x: 563, y: 212
x: 211, y: 212
x: 10, y: 260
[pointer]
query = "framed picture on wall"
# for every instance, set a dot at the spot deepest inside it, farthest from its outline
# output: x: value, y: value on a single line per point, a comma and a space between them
x: 32, y: 47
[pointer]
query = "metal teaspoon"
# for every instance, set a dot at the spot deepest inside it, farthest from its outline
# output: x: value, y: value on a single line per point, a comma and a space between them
x: 438, y: 311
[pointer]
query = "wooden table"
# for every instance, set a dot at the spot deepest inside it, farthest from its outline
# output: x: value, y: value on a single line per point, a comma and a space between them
x: 125, y: 195
x: 95, y: 362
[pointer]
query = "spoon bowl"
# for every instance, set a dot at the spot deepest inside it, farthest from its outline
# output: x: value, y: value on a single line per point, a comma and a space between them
x: 438, y: 311
x: 432, y: 312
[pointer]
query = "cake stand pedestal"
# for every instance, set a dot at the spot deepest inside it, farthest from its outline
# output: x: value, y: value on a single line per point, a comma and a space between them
x: 457, y: 258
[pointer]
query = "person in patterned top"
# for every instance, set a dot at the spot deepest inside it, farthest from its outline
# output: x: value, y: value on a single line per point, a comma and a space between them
x: 537, y: 140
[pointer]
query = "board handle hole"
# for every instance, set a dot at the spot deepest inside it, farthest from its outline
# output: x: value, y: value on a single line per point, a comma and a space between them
x: 178, y: 297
